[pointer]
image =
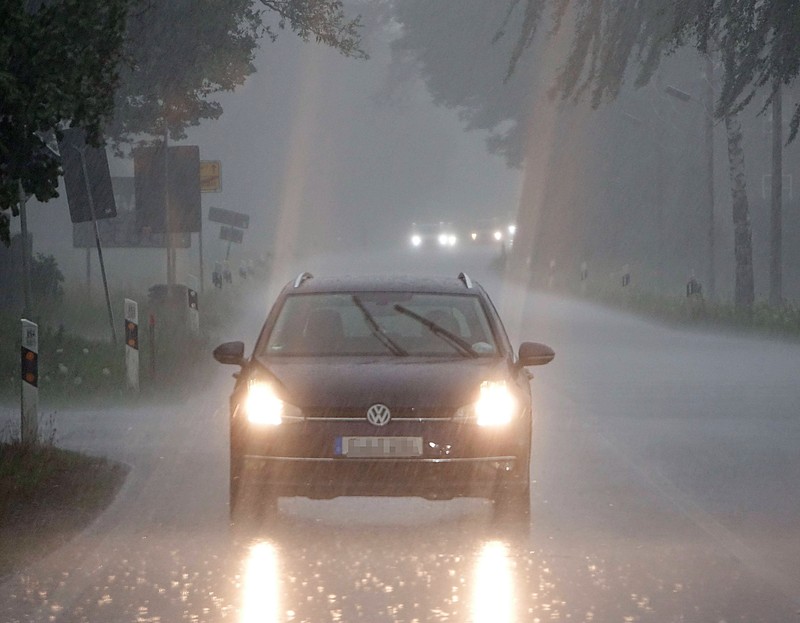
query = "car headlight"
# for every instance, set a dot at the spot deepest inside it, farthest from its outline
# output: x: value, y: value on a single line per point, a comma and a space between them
x: 262, y: 405
x: 496, y: 405
x: 416, y: 240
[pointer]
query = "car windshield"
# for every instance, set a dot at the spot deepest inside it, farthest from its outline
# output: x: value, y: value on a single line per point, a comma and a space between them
x: 383, y: 323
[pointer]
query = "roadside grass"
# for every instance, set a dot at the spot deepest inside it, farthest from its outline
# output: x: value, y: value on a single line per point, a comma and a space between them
x: 670, y: 305
x: 762, y: 318
x: 47, y: 496
x: 80, y: 366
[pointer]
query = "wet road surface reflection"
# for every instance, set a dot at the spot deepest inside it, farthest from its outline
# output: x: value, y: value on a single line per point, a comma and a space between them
x: 314, y: 564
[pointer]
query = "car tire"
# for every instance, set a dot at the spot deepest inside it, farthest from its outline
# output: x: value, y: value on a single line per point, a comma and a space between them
x: 251, y: 498
x: 512, y: 501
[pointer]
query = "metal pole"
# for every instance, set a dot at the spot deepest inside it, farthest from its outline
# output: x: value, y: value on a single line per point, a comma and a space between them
x: 200, y: 246
x: 168, y: 216
x: 88, y: 274
x: 26, y: 260
x: 97, y: 243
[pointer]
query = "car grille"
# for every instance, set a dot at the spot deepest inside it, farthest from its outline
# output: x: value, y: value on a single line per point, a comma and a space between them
x: 360, y: 414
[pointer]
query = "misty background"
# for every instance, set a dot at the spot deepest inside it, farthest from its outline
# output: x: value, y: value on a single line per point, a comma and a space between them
x: 330, y: 153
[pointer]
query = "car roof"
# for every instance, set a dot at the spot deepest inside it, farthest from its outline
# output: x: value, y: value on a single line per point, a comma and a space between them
x: 306, y: 283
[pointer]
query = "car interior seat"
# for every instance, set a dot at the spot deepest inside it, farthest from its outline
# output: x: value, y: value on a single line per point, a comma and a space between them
x: 324, y: 331
x: 446, y: 320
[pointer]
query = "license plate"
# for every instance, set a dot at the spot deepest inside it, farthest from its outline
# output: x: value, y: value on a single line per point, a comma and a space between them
x: 378, y: 447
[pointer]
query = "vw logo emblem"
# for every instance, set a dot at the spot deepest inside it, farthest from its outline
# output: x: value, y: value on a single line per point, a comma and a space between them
x: 379, y: 415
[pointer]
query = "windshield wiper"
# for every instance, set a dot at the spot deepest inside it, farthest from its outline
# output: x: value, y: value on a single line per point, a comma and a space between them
x: 458, y: 342
x: 377, y: 331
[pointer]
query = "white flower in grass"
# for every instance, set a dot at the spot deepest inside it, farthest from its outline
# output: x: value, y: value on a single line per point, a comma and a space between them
x: 62, y: 368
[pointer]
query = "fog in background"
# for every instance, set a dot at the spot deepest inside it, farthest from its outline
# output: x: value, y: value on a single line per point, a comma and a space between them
x: 323, y: 153
x: 329, y: 153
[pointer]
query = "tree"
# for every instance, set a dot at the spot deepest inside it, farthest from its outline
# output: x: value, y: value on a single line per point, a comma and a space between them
x: 152, y: 64
x: 58, y: 65
x: 612, y: 41
x: 183, y: 52
x: 757, y: 42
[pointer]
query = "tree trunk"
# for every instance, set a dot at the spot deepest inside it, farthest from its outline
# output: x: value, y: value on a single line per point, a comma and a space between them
x: 776, y: 234
x: 742, y: 240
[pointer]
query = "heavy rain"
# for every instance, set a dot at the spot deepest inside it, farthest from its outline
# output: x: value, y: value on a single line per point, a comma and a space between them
x: 616, y: 179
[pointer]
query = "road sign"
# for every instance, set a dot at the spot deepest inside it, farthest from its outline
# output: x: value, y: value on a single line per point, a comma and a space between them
x: 86, y: 178
x: 210, y: 176
x: 231, y: 234
x: 183, y: 168
x: 229, y: 217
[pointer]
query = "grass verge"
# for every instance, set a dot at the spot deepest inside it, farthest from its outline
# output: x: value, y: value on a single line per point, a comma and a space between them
x: 47, y: 496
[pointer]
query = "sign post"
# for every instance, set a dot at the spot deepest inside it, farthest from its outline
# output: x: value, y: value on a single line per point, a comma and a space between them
x: 132, y: 343
x: 29, y: 428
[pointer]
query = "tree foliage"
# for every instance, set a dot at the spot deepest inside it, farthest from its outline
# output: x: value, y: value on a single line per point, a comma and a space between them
x: 58, y: 65
x: 181, y: 53
x: 125, y: 69
x: 758, y: 41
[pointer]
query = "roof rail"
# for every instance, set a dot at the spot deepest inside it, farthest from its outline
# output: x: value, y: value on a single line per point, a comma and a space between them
x: 465, y: 278
x: 301, y: 278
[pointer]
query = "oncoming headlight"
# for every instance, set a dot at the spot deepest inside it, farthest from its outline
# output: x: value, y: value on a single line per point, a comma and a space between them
x: 262, y: 406
x: 496, y: 405
x: 416, y: 240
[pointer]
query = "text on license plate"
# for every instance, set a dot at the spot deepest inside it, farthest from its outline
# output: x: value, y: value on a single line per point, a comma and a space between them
x: 378, y: 447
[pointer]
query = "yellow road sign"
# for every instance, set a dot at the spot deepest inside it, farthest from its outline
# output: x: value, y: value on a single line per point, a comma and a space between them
x: 210, y: 176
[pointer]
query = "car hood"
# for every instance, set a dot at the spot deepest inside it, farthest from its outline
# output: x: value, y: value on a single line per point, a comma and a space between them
x: 397, y: 382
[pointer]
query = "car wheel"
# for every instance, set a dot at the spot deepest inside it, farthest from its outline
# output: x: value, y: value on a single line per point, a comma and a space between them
x: 251, y: 498
x: 512, y: 501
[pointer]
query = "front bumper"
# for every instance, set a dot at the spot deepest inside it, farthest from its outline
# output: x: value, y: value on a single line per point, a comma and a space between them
x: 432, y: 478
x: 459, y: 458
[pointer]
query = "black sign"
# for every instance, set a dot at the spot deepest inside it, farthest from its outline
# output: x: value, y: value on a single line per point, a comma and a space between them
x: 229, y: 217
x: 231, y: 234
x: 75, y: 155
x: 30, y: 367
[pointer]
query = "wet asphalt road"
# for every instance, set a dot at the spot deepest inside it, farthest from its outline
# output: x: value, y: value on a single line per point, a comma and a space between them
x: 667, y: 488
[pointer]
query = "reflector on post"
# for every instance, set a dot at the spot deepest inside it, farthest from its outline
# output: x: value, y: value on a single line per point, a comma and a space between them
x: 132, y: 343
x: 29, y: 429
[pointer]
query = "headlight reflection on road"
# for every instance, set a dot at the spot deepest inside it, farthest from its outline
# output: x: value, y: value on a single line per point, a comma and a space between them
x: 261, y: 597
x: 493, y: 594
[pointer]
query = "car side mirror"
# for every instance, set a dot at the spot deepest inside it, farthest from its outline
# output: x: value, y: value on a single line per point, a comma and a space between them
x: 534, y: 354
x: 230, y: 352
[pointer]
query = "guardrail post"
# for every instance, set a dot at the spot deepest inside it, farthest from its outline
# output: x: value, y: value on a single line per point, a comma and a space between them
x: 29, y: 425
x: 132, y: 343
x: 192, y: 302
